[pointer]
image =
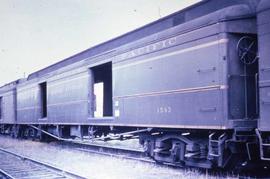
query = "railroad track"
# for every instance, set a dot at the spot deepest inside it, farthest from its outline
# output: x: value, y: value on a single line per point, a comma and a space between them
x: 140, y: 156
x: 15, y: 166
x: 127, y: 153
x: 88, y: 146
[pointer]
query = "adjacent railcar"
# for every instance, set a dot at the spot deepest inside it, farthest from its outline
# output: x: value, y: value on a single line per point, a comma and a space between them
x: 61, y: 98
x: 263, y: 25
x: 8, y: 103
x: 264, y: 79
x: 8, y: 106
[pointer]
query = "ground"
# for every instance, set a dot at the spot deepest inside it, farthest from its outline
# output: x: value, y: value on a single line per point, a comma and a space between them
x: 96, y: 166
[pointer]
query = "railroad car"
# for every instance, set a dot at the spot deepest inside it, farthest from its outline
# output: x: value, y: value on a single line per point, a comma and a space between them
x: 263, y: 130
x: 193, y: 87
x: 7, y: 100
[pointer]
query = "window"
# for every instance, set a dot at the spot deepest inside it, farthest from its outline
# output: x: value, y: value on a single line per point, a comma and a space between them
x: 43, y: 99
x: 102, y: 89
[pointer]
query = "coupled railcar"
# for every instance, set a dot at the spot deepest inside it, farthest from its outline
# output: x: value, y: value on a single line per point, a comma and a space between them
x: 8, y: 103
x: 192, y: 88
x: 263, y: 26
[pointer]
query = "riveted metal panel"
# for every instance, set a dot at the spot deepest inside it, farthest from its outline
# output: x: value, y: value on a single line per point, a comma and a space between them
x: 68, y: 98
x: 181, y: 85
x: 264, y: 62
x: 265, y: 109
x: 8, y: 107
x: 28, y: 103
x: 169, y: 69
x: 200, y: 108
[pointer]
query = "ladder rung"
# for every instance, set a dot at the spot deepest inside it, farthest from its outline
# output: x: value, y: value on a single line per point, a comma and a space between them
x: 245, y: 135
x: 188, y: 155
x: 214, y: 141
x: 265, y: 158
x: 214, y: 155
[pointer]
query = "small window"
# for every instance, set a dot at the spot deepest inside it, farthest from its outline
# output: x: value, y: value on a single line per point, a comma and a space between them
x: 43, y: 99
x: 1, y: 107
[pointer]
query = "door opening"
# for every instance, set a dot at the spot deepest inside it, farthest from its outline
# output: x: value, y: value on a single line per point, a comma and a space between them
x: 1, y: 107
x: 102, y: 90
x: 43, y: 99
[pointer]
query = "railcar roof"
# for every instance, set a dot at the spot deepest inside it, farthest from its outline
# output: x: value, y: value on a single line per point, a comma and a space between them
x: 226, y: 14
x: 10, y: 86
x: 263, y: 5
x: 192, y: 12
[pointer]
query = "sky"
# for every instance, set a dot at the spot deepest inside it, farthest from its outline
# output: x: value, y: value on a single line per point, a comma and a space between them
x: 37, y: 33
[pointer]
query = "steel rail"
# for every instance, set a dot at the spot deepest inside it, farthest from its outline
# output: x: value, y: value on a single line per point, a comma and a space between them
x: 56, y: 170
x: 86, y: 146
x: 122, y: 152
x: 6, y: 174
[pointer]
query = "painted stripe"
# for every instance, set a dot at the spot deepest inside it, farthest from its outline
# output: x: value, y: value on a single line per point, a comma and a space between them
x: 26, y: 108
x: 186, y: 90
x: 7, y: 93
x: 33, y: 88
x: 43, y: 119
x: 205, y: 45
x: 64, y: 80
x: 51, y: 83
x: 67, y: 103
